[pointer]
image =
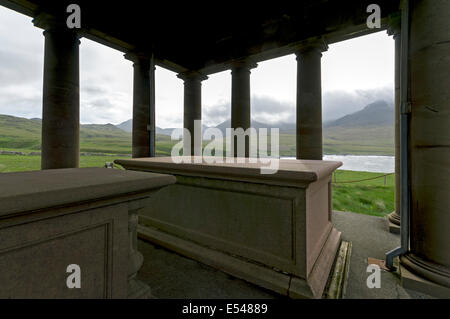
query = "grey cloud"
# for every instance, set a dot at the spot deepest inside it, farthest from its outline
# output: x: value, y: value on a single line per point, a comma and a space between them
x: 28, y: 104
x: 177, y: 120
x: 268, y: 110
x: 339, y: 103
x: 18, y: 69
x: 101, y: 104
x: 216, y: 114
x: 93, y: 89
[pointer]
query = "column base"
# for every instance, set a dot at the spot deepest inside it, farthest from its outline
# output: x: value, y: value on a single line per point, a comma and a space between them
x: 419, y: 276
x: 393, y: 222
x: 138, y: 290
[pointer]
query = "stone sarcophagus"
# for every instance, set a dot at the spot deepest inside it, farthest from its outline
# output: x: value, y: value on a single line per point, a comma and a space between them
x: 273, y: 230
x: 71, y: 233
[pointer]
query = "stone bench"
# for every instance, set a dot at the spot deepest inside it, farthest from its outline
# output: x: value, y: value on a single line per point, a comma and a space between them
x: 272, y: 230
x: 87, y: 217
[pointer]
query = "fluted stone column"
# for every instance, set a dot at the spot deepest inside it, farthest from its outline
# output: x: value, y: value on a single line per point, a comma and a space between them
x: 240, y: 99
x: 394, y: 217
x: 61, y: 95
x: 143, y: 134
x: 309, y: 101
x: 192, y: 109
x: 426, y: 266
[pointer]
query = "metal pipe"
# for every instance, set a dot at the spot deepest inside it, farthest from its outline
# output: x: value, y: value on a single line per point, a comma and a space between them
x: 405, y: 111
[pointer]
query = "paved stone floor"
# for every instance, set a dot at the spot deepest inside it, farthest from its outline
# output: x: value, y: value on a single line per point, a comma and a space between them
x: 370, y: 238
x: 173, y: 276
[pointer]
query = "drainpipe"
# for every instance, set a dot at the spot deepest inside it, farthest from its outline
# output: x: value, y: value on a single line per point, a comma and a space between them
x: 405, y: 110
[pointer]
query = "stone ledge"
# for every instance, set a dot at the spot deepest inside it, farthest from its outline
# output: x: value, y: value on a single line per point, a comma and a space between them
x: 338, y: 283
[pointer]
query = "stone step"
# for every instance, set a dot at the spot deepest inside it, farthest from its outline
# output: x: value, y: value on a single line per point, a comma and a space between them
x: 339, y: 274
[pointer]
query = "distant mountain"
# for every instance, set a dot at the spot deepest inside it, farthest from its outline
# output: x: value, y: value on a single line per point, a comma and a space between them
x: 378, y: 113
x: 164, y: 131
x: 22, y: 133
x: 283, y: 127
x: 101, y: 131
x: 127, y: 126
x: 368, y: 131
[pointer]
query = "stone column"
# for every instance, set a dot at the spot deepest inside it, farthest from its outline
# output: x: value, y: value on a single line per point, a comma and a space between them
x: 309, y: 101
x: 240, y: 99
x: 394, y: 218
x: 426, y: 266
x: 61, y: 95
x: 192, y: 109
x: 143, y: 135
x: 152, y: 123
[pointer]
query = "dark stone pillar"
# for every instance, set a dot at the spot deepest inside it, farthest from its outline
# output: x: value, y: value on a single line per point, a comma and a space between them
x: 61, y: 95
x: 152, y: 122
x: 192, y: 108
x: 394, y: 217
x: 143, y: 135
x: 309, y: 102
x: 426, y: 266
x: 240, y: 99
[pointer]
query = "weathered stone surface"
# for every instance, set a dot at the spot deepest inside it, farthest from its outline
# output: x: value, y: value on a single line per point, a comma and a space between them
x: 61, y: 96
x: 143, y: 133
x: 428, y: 256
x: 30, y: 191
x: 290, y: 172
x: 309, y: 102
x: 267, y: 229
x: 240, y: 101
x: 54, y: 218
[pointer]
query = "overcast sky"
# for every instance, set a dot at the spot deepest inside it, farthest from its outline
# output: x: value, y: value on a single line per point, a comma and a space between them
x: 354, y: 73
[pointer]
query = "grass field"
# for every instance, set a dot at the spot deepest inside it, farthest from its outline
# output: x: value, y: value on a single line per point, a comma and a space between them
x: 368, y: 197
x: 24, y: 134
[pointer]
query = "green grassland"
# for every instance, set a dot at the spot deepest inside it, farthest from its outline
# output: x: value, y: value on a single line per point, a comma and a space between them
x: 368, y: 197
x: 25, y: 135
x: 369, y: 140
x: 18, y: 163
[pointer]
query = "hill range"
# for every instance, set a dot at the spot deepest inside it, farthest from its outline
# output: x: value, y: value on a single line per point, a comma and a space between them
x: 369, y: 131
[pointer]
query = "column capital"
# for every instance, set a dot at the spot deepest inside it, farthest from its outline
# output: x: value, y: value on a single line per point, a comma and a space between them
x: 318, y: 46
x: 394, y: 24
x: 46, y: 21
x: 243, y: 64
x: 192, y: 75
x: 140, y: 58
x: 54, y: 24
